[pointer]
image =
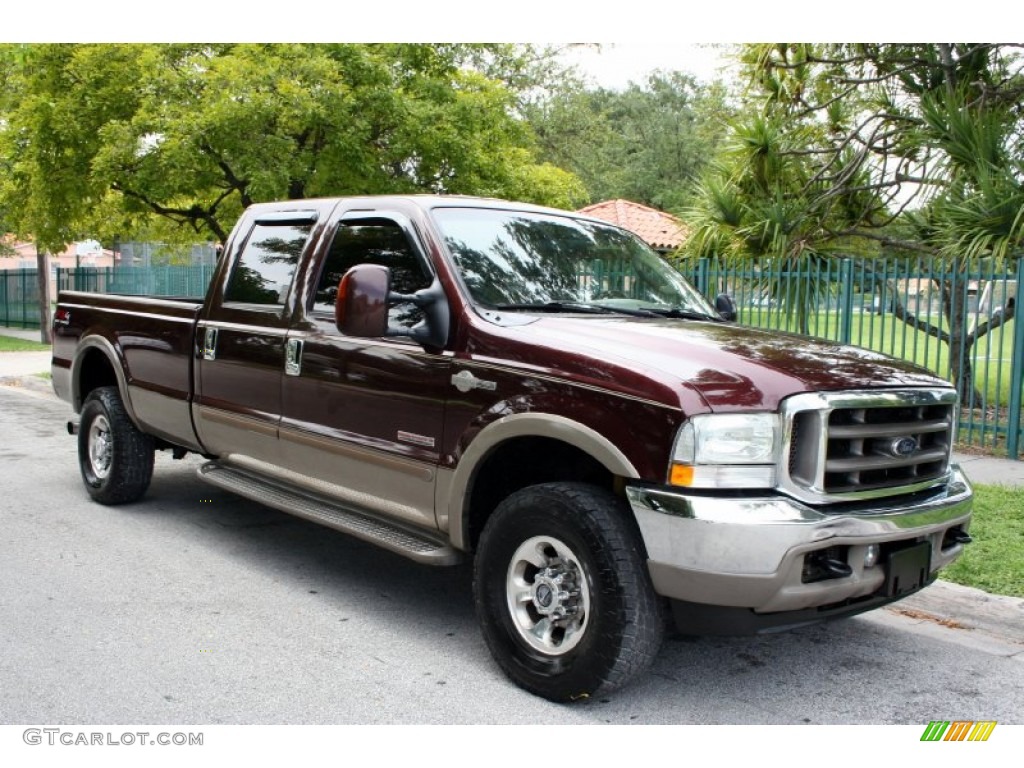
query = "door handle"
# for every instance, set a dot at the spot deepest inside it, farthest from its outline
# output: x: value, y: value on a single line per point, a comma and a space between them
x: 210, y: 344
x: 293, y: 357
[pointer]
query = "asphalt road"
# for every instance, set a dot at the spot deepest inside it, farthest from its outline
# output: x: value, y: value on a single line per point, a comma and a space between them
x: 196, y: 607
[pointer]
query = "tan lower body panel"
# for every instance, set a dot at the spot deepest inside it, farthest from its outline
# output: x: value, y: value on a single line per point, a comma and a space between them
x: 424, y: 546
x: 394, y: 486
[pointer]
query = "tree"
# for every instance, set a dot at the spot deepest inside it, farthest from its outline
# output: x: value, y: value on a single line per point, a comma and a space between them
x: 874, y: 149
x: 6, y: 248
x: 6, y: 245
x: 103, y: 138
x: 647, y: 143
x: 5, y: 165
x: 11, y: 58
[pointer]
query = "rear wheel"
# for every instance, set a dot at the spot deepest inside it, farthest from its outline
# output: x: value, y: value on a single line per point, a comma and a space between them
x: 115, y: 458
x: 562, y: 592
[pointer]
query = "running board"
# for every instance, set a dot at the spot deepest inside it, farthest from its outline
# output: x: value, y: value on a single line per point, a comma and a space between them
x: 420, y: 547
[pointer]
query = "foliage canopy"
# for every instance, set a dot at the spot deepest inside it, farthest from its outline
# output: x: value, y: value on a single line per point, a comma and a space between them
x: 647, y: 143
x: 106, y: 137
x: 910, y: 146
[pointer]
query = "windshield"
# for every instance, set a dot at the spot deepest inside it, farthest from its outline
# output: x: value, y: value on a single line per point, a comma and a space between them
x: 523, y: 260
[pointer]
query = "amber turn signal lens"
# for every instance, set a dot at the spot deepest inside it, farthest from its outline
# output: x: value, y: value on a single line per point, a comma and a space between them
x: 682, y: 474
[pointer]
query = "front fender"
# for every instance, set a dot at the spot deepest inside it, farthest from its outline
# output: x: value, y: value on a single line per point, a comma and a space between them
x: 453, y: 485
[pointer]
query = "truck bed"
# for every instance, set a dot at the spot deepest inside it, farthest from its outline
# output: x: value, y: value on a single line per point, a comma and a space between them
x: 153, y: 338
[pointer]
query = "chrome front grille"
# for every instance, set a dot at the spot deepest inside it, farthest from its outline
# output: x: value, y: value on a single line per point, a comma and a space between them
x: 855, y: 445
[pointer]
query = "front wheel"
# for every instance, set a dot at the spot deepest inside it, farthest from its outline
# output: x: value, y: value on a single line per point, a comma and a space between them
x: 115, y: 458
x: 563, y: 594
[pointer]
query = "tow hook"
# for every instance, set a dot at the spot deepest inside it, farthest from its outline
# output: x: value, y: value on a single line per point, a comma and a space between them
x: 833, y: 568
x: 956, y: 536
x: 824, y: 565
x: 72, y: 427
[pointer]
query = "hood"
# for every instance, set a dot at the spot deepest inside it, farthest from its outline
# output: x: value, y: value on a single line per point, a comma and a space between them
x: 731, y: 367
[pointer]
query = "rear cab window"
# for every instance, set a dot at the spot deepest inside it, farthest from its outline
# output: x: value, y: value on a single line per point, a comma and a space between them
x: 265, y: 270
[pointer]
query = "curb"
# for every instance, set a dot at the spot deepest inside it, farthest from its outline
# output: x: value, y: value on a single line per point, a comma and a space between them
x: 966, y: 608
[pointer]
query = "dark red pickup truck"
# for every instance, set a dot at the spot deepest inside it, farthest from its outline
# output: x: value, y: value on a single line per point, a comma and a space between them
x: 459, y: 378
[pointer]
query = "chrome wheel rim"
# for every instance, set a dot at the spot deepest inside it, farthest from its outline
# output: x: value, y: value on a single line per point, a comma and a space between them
x: 547, y: 594
x: 101, y: 447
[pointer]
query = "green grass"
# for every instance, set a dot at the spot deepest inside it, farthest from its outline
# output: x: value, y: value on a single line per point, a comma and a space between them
x: 12, y: 344
x: 994, y: 561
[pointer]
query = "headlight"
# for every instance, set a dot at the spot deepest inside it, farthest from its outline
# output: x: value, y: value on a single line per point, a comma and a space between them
x: 727, y: 450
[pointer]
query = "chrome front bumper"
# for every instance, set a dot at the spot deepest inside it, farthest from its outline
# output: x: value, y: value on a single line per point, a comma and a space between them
x: 749, y: 552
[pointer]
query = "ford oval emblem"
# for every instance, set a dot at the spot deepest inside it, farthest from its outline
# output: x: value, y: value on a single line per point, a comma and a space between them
x: 902, y: 447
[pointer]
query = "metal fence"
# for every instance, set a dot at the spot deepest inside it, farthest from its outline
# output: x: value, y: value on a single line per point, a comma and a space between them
x: 19, y: 298
x: 963, y: 324
x: 148, y: 254
x: 173, y: 280
x: 19, y: 288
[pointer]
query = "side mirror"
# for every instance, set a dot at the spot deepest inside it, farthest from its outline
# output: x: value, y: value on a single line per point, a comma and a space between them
x: 364, y: 295
x: 726, y: 307
x: 361, y: 304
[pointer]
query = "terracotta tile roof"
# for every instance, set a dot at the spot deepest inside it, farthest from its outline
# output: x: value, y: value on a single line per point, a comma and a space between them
x: 658, y: 229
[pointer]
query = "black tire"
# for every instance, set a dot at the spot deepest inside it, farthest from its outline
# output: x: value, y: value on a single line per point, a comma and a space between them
x: 116, y: 459
x: 563, y: 594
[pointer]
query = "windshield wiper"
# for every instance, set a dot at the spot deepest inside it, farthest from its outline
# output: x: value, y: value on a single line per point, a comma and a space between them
x: 684, y: 314
x: 574, y: 306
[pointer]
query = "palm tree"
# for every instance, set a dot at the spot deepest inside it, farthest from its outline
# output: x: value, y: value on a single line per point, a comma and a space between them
x: 867, y: 149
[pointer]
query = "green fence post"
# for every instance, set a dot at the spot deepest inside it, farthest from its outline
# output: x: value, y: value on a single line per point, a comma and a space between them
x: 846, y: 301
x: 703, y: 269
x: 34, y: 308
x: 24, y: 299
x: 1016, y: 370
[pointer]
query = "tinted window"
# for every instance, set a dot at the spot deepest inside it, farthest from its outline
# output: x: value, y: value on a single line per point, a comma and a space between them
x: 266, y: 267
x: 373, y: 241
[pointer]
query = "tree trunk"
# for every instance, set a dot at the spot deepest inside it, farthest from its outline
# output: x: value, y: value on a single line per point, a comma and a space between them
x: 953, y: 299
x: 954, y: 308
x: 43, y: 278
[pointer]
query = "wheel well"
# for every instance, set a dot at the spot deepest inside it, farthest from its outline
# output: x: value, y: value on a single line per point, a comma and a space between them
x: 95, y: 370
x: 525, y: 461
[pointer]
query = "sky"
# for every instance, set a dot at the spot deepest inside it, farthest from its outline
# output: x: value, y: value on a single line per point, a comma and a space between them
x: 625, y: 41
x: 616, y: 65
x: 648, y: 25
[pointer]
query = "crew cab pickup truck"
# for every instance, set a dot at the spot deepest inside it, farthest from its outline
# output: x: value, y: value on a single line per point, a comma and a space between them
x: 540, y: 393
